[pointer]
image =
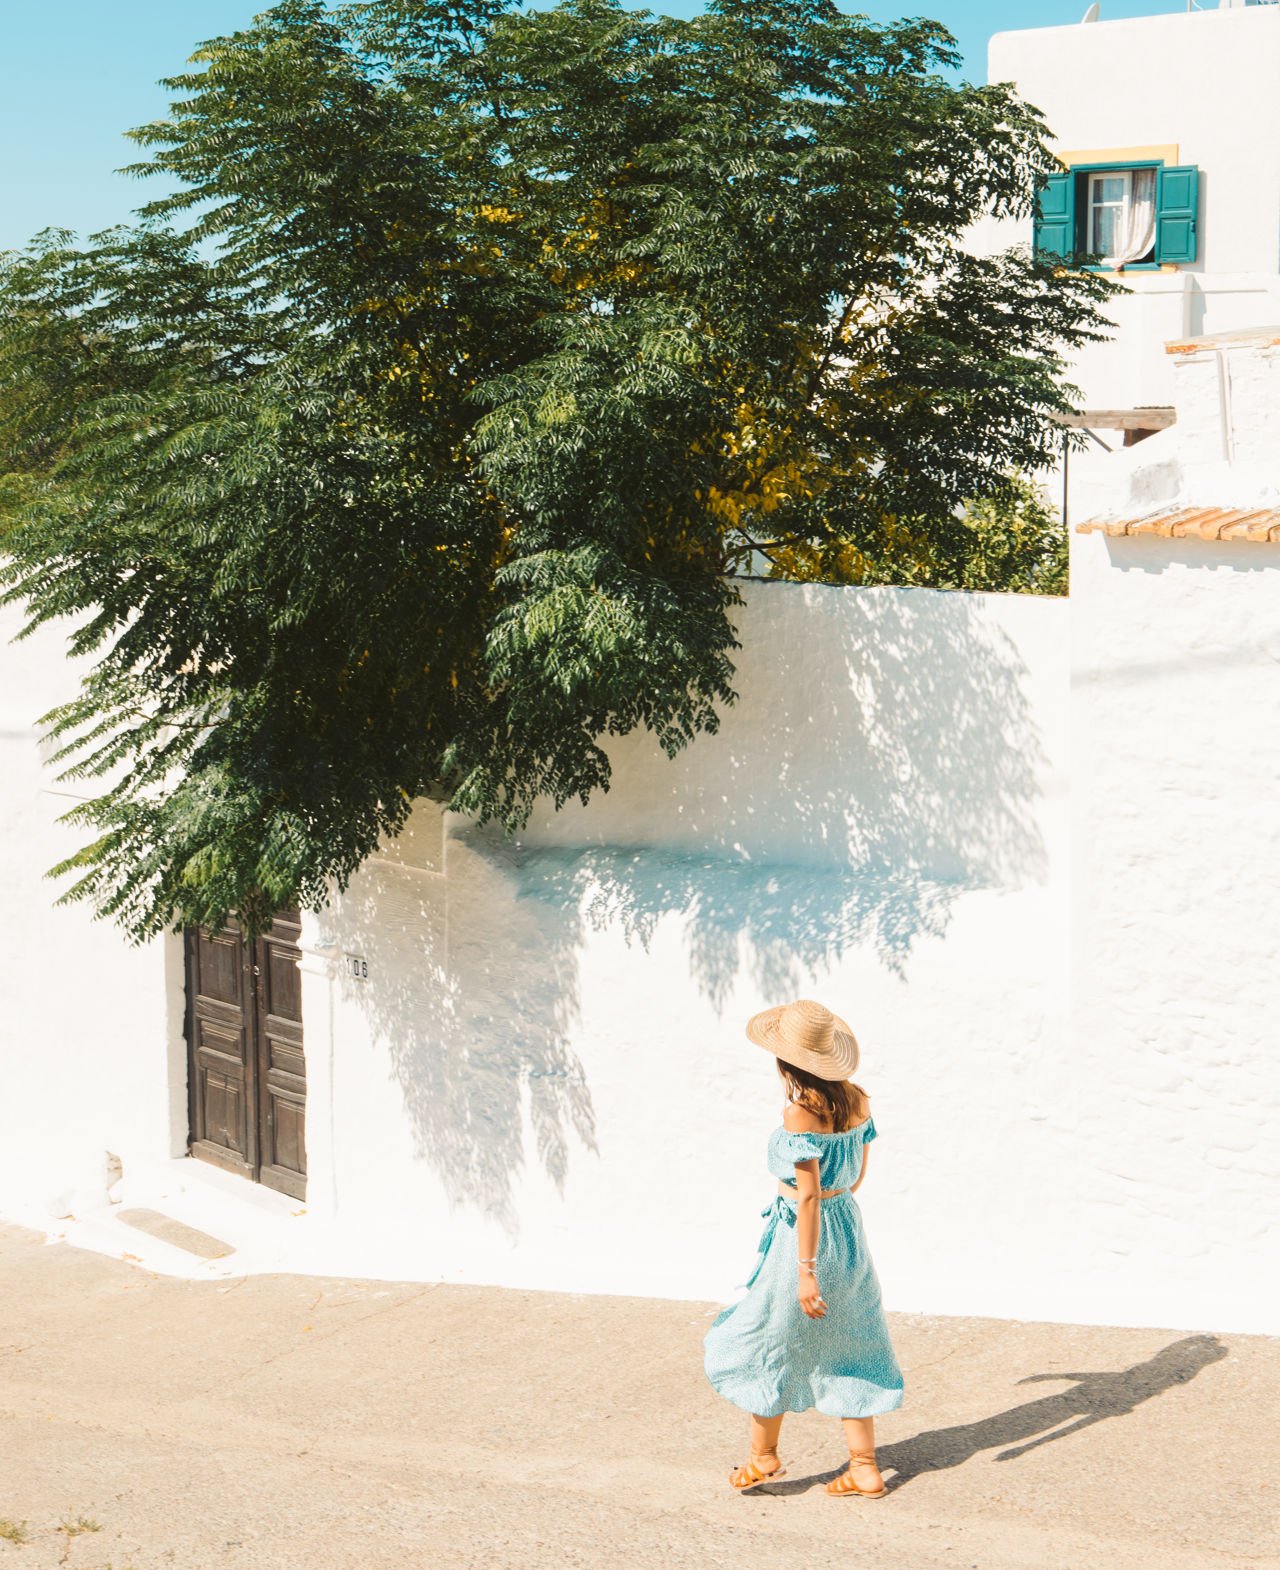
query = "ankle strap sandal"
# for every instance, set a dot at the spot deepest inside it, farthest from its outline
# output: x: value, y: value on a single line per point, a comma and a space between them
x: 750, y: 1476
x: 845, y: 1485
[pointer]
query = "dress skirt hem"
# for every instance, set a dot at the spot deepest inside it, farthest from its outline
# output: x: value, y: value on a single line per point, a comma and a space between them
x: 870, y: 1405
x: 891, y: 1401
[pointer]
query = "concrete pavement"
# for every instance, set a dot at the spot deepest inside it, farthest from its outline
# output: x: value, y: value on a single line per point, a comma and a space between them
x: 297, y: 1423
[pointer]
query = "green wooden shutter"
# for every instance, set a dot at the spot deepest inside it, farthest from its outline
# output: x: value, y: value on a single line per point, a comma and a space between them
x: 1177, y: 201
x: 1055, y: 227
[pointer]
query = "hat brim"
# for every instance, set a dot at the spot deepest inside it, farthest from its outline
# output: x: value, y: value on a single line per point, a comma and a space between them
x: 835, y: 1065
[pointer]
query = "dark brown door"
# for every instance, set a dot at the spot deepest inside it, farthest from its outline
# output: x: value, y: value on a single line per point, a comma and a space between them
x: 246, y: 1071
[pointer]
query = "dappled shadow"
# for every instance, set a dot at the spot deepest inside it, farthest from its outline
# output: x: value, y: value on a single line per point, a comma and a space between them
x: 873, y: 771
x: 782, y: 921
x: 882, y: 761
x: 1093, y: 1398
x: 474, y: 998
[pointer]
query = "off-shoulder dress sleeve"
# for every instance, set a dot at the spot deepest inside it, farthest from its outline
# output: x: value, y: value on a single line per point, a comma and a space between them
x: 869, y: 1132
x: 798, y: 1147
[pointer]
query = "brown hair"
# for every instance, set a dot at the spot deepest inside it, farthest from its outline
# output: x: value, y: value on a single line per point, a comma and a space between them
x: 839, y: 1099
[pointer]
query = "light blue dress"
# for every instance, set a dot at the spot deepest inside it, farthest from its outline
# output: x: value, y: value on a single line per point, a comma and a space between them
x: 764, y: 1353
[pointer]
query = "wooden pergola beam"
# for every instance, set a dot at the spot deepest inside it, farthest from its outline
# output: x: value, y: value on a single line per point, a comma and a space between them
x: 1155, y: 418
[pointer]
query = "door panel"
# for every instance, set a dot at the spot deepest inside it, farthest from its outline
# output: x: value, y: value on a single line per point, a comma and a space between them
x: 281, y: 1067
x: 290, y: 1153
x: 281, y: 983
x: 220, y: 958
x: 223, y: 1100
x: 247, y: 1073
x: 222, y: 1085
x: 221, y: 1069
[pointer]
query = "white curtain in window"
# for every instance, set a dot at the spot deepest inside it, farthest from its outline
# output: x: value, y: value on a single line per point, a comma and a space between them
x: 1140, y: 229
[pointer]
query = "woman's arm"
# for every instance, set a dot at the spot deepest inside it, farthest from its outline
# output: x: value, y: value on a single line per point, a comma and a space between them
x: 808, y: 1230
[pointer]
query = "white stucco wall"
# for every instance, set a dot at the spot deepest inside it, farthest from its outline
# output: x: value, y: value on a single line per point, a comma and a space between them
x: 1176, y: 921
x: 90, y: 1027
x: 1203, y: 82
x: 1062, y: 993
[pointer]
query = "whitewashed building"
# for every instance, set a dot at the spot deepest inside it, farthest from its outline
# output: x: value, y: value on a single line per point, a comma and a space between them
x: 1029, y: 847
x: 1168, y: 130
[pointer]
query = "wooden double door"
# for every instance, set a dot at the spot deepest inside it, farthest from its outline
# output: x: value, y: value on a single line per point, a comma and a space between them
x: 246, y: 1071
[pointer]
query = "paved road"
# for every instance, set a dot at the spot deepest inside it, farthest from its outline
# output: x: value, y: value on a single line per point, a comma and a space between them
x: 295, y: 1423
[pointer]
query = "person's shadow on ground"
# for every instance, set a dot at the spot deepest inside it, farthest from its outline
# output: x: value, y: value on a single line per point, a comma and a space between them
x: 1092, y: 1398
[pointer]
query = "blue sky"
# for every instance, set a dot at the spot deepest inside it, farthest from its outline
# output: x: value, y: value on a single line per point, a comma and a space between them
x: 75, y: 74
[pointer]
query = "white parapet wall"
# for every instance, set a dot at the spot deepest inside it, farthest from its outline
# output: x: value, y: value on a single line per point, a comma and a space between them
x: 526, y: 1062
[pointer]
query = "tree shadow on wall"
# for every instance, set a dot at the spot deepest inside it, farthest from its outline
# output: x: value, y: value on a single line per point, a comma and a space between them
x: 474, y: 1001
x: 899, y: 770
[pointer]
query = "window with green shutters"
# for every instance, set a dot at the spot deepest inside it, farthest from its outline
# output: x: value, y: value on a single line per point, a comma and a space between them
x: 1062, y: 221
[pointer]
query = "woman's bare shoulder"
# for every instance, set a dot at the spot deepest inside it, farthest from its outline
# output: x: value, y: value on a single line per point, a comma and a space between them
x: 799, y: 1120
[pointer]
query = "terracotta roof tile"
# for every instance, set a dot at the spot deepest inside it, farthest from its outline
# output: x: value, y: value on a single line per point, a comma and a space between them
x: 1204, y: 523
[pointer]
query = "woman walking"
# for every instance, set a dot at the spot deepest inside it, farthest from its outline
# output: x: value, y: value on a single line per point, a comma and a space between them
x: 811, y: 1330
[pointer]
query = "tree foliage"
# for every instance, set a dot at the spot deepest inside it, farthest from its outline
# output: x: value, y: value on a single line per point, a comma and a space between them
x: 413, y: 444
x: 1011, y: 541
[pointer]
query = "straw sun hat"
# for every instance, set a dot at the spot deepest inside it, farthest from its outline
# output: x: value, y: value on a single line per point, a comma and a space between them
x: 808, y: 1036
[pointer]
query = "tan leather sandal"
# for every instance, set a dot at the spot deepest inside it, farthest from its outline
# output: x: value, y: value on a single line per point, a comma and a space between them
x: 844, y: 1484
x: 750, y: 1476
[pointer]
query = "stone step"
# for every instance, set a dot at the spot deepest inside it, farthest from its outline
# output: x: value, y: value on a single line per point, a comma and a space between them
x: 156, y: 1225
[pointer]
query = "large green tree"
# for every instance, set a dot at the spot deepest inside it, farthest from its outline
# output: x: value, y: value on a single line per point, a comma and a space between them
x: 414, y: 443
